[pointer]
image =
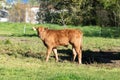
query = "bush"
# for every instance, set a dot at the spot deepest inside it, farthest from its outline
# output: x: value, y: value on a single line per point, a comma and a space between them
x: 81, y: 12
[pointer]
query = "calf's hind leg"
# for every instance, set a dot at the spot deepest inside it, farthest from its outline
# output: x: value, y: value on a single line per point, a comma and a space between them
x: 79, y: 53
x: 56, y: 55
x: 74, y: 54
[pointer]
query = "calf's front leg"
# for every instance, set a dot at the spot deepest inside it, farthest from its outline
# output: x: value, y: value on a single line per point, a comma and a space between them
x: 48, y: 53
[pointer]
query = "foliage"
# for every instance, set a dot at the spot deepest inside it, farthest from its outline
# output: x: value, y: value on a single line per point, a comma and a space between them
x: 17, y: 13
x: 34, y: 2
x: 83, y: 12
x: 113, y: 7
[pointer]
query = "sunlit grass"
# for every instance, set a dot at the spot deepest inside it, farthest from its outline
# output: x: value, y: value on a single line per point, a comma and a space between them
x: 23, y: 29
x: 22, y: 55
x: 99, y: 43
x: 33, y: 69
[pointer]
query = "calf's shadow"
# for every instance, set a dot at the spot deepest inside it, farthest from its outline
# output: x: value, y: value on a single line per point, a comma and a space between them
x: 89, y: 57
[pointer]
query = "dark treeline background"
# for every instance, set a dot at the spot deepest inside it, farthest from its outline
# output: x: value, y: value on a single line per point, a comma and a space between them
x: 80, y: 12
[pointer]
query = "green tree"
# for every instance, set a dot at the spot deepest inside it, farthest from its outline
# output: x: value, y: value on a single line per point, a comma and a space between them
x: 113, y: 7
x: 82, y: 12
x: 34, y: 2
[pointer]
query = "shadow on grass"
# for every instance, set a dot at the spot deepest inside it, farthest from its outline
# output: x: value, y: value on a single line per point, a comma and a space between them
x: 24, y: 35
x: 89, y: 57
x: 19, y: 35
x: 100, y: 56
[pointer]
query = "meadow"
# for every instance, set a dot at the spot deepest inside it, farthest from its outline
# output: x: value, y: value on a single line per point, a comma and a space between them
x: 22, y: 54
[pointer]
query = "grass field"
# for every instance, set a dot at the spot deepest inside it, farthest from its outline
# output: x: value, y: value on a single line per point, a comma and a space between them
x: 12, y: 68
x: 22, y: 55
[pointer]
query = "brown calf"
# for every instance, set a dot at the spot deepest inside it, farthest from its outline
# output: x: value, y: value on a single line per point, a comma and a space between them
x: 54, y: 38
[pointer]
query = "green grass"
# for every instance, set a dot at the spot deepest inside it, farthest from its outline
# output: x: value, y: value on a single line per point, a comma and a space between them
x: 15, y: 29
x: 22, y: 45
x: 22, y: 55
x: 12, y: 68
x: 23, y: 29
x: 100, y: 43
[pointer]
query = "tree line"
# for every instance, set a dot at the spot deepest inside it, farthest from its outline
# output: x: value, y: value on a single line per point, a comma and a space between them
x: 80, y: 12
x: 72, y: 12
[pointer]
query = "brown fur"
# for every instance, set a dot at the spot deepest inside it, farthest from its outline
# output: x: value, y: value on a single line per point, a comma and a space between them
x: 54, y: 38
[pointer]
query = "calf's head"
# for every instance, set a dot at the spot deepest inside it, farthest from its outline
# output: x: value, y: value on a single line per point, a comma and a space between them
x: 41, y: 31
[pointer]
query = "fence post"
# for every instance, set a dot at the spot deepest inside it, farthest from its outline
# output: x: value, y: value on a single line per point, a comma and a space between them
x: 24, y: 30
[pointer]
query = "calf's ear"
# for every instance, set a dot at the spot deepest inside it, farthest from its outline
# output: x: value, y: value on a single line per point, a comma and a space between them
x: 34, y: 28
